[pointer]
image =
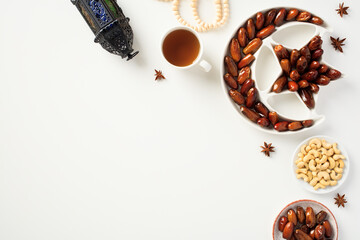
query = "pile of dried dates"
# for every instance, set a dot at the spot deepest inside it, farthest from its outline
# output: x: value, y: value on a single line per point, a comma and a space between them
x: 238, y: 74
x: 304, y: 70
x: 305, y: 225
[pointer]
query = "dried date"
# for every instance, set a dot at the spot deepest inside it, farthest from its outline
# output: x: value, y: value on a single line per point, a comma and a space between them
x: 281, y: 126
x: 231, y: 66
x: 288, y: 230
x: 246, y: 60
x: 314, y: 88
x: 230, y: 81
x: 310, y: 217
x: 242, y: 37
x: 270, y: 16
x: 294, y: 126
x: 307, y: 97
x: 235, y: 50
x: 237, y: 97
x: 295, y: 75
x: 292, y: 14
x: 317, y: 54
x: 282, y: 222
x: 279, y: 19
x: 316, y: 20
x: 279, y: 84
x: 303, y: 16
x: 319, y: 232
x: 244, y: 74
x: 303, y: 84
x: 251, y: 97
x: 249, y: 83
x: 262, y: 109
x: 305, y: 229
x: 263, y: 33
x: 320, y: 217
x: 310, y: 75
x: 328, y: 229
x: 308, y: 123
x: 301, y: 64
x: 301, y: 235
x: 293, y: 86
x: 323, y: 68
x: 314, y: 65
x: 281, y: 52
x: 333, y: 74
x: 286, y: 66
x: 250, y: 114
x: 252, y: 46
x: 260, y: 20
x: 300, y: 213
x: 250, y: 27
x: 291, y: 215
x: 294, y: 56
x: 263, y: 122
x: 323, y: 80
x: 274, y: 118
x: 305, y: 51
x: 315, y: 43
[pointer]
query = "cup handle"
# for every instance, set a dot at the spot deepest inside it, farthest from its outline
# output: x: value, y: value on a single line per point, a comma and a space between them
x: 205, y: 66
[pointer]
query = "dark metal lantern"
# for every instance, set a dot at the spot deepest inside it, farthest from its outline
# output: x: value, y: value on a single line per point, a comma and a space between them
x: 109, y: 24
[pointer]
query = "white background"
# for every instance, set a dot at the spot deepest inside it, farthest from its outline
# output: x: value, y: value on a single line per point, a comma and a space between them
x: 91, y: 147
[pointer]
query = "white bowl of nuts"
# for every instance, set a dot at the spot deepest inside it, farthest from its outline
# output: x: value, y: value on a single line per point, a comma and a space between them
x: 320, y: 164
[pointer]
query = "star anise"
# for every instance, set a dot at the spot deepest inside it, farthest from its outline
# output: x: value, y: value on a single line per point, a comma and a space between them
x: 337, y: 43
x: 267, y: 149
x: 158, y: 75
x: 342, y: 10
x: 340, y: 200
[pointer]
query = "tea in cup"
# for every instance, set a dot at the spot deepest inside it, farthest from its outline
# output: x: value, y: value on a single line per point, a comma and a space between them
x: 182, y: 48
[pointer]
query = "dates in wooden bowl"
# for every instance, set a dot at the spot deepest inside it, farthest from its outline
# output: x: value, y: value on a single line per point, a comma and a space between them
x: 305, y: 220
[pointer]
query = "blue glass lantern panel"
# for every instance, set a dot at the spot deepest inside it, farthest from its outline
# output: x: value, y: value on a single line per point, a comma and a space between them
x: 100, y: 12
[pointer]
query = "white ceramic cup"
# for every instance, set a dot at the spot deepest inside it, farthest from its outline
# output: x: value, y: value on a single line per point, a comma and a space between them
x: 205, y: 66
